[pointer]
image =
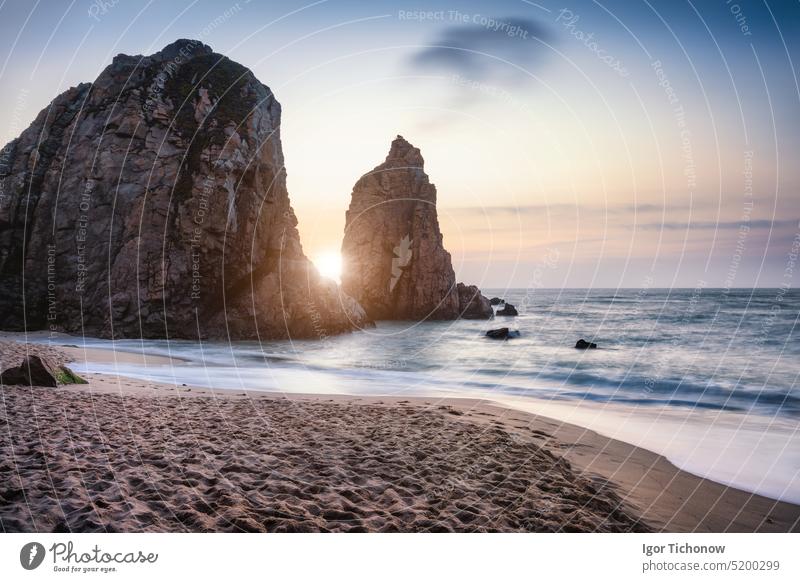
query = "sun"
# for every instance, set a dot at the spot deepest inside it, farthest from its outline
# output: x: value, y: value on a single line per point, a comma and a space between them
x: 329, y: 264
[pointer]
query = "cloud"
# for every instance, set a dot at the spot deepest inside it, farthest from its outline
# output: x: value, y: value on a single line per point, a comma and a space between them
x: 617, y: 214
x: 561, y: 208
x: 721, y: 225
x: 475, y: 50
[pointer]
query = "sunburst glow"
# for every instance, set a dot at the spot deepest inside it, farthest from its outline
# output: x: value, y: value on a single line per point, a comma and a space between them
x: 329, y: 264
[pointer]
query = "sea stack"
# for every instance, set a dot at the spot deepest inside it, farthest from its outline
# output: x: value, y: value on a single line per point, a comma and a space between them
x: 153, y: 203
x: 395, y: 263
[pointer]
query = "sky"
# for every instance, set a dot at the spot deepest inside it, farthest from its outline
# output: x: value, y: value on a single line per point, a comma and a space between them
x: 572, y: 143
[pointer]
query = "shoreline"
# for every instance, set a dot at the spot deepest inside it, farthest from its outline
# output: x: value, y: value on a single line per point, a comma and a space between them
x: 668, y: 498
x: 646, y: 487
x: 707, y: 443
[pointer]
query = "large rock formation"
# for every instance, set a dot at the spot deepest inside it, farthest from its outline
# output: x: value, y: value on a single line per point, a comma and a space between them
x: 395, y: 264
x: 153, y: 203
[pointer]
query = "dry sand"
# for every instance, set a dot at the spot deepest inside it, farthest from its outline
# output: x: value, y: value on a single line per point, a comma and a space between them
x: 124, y: 455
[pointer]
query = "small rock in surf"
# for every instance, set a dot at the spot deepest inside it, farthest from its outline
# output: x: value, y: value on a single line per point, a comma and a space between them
x: 582, y: 344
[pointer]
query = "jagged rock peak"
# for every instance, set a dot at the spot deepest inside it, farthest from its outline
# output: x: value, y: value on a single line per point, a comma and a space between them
x: 395, y: 263
x: 181, y: 50
x: 403, y: 153
x: 183, y: 47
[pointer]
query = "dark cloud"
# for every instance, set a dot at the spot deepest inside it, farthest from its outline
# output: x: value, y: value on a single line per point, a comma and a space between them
x: 472, y: 50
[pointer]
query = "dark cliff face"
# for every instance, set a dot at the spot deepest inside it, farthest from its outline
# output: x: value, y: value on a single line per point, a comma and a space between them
x: 395, y: 263
x: 153, y: 203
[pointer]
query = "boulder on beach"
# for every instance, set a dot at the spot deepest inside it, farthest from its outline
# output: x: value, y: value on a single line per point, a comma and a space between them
x: 496, y: 301
x: 508, y: 310
x: 582, y: 344
x: 39, y: 371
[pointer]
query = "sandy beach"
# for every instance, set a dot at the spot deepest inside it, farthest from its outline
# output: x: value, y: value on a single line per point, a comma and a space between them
x: 118, y: 454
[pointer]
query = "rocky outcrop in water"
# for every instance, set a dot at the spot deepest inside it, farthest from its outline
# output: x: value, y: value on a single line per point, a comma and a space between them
x: 502, y: 333
x: 471, y: 304
x: 395, y: 263
x: 508, y: 310
x: 153, y: 203
x: 582, y: 344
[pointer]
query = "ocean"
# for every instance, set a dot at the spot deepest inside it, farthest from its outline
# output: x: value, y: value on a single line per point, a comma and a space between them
x: 706, y: 377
